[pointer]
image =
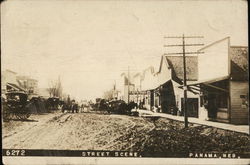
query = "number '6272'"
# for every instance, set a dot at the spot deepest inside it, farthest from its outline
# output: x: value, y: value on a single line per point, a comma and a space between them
x: 15, y: 152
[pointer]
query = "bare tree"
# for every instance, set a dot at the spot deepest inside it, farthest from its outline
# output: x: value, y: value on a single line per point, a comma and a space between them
x: 108, y: 95
x: 55, y: 88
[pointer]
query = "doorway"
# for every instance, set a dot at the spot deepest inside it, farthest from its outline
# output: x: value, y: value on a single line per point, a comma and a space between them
x: 192, y: 107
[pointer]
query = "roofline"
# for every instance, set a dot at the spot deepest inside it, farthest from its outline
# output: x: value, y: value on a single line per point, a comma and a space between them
x: 216, y: 42
x: 20, y: 92
x: 187, y: 55
x: 194, y: 55
x: 150, y: 68
x: 160, y: 64
x: 238, y: 46
x: 16, y: 86
x: 164, y: 60
x: 11, y: 71
x: 137, y: 74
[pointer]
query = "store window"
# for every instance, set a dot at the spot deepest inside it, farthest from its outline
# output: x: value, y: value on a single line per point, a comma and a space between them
x: 222, y: 100
x: 244, y: 101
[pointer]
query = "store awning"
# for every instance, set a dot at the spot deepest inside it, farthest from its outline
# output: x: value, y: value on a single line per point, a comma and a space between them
x: 178, y: 89
x: 14, y: 87
x: 209, y: 81
x: 199, y: 85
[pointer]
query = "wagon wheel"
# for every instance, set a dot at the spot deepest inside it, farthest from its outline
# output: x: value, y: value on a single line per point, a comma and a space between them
x: 17, y: 115
x: 20, y: 116
x: 24, y: 116
x: 27, y: 115
x: 12, y: 115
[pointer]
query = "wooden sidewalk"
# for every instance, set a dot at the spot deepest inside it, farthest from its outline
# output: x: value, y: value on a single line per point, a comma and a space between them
x: 225, y: 126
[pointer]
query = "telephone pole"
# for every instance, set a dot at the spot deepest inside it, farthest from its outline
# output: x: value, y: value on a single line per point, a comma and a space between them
x: 183, y: 45
x: 115, y: 92
x: 128, y: 84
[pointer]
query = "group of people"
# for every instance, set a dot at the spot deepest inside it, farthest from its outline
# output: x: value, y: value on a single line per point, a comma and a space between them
x: 73, y: 107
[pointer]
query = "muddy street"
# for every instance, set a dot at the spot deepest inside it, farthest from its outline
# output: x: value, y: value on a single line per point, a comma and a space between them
x: 74, y: 131
x: 98, y: 131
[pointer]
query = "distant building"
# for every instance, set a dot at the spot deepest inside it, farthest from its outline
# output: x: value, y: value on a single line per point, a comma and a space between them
x: 9, y: 82
x: 132, y: 84
x: 148, y: 84
x: 30, y: 84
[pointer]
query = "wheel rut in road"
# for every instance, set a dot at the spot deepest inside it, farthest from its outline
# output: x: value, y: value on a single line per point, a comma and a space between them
x: 78, y: 131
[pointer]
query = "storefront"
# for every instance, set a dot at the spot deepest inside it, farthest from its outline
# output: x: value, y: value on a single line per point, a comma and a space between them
x: 224, y: 100
x: 214, y: 98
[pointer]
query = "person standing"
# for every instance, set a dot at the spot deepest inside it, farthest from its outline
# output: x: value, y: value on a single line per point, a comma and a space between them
x: 82, y: 108
x: 72, y: 106
x: 76, y: 107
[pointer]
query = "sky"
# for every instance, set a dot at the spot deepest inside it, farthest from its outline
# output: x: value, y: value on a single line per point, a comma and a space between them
x: 89, y: 44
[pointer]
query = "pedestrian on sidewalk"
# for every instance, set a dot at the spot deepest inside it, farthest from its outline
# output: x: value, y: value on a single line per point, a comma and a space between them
x: 155, y: 108
x: 159, y: 109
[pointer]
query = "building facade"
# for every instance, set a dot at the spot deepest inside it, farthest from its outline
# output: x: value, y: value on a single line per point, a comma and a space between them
x: 7, y: 77
x: 9, y: 82
x: 223, y: 82
x: 217, y: 84
x: 162, y: 90
x: 29, y: 84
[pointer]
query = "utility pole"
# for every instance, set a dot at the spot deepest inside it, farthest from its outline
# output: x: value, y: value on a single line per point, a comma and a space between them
x: 183, y: 45
x: 128, y: 84
x: 185, y: 83
x: 114, y: 89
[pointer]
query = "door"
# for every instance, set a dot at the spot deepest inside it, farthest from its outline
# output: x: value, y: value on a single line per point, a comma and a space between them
x: 168, y: 101
x: 151, y: 98
x: 192, y: 107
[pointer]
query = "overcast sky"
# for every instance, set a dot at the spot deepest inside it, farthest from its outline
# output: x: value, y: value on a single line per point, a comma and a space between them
x: 90, y: 43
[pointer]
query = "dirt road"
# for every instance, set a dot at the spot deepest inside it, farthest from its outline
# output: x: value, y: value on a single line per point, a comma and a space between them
x: 74, y: 131
x: 92, y: 131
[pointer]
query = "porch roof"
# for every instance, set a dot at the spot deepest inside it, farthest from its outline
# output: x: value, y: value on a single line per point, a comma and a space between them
x: 196, y: 86
x: 176, y: 64
x: 208, y: 81
x: 15, y: 87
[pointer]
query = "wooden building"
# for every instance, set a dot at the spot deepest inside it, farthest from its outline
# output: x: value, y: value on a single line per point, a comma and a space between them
x: 223, y: 82
x: 8, y: 77
x: 162, y: 90
x: 172, y: 96
x: 148, y: 84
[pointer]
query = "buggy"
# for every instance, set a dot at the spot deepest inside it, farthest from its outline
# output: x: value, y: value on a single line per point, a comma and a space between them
x: 16, y: 106
x: 52, y: 103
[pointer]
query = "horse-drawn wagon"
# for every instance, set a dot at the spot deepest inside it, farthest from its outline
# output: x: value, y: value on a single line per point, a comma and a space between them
x: 16, y: 106
x: 52, y: 103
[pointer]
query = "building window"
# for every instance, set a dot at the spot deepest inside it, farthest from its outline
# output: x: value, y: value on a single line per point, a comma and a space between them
x: 222, y: 101
x: 244, y: 101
